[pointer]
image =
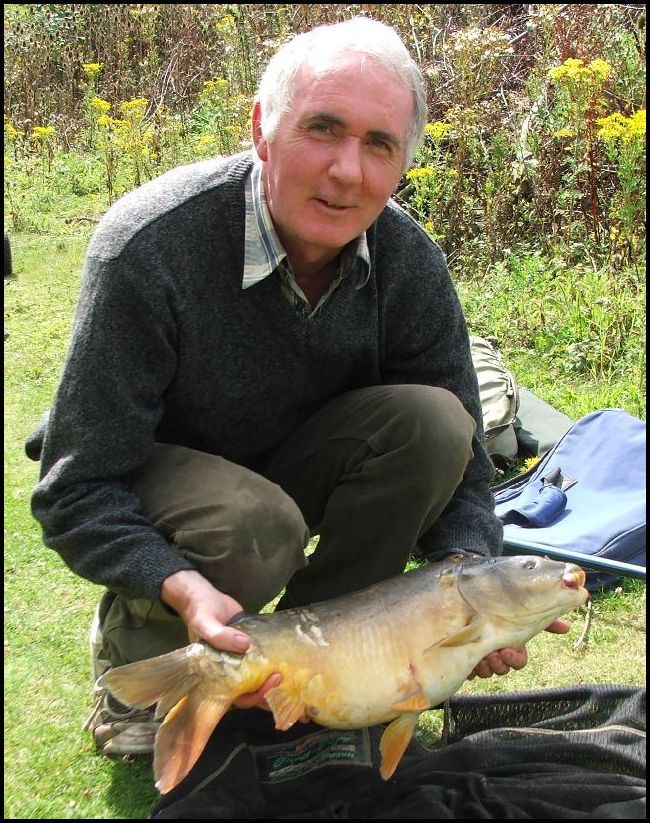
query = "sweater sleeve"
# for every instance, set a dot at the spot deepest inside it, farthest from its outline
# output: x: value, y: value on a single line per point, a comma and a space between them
x: 427, y: 342
x: 101, y: 427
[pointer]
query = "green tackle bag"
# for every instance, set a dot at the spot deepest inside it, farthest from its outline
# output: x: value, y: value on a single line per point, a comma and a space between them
x: 499, y: 395
x: 516, y: 422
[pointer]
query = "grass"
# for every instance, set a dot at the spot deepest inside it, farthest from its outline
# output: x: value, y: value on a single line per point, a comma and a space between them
x: 571, y: 334
x: 51, y: 769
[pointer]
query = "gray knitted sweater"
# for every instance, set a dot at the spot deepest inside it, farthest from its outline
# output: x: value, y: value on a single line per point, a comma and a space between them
x: 167, y: 346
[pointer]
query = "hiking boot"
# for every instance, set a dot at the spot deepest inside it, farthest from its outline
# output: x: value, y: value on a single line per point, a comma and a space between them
x: 119, y: 730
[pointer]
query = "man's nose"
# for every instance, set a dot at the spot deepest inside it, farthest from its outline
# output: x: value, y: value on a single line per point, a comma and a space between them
x: 346, y: 163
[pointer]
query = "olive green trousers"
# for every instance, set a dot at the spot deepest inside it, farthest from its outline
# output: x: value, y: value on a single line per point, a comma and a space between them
x: 369, y: 473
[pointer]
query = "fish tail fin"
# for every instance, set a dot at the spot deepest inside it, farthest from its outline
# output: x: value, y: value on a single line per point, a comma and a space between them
x: 191, y: 707
x: 394, y: 741
x: 163, y: 680
x: 184, y: 733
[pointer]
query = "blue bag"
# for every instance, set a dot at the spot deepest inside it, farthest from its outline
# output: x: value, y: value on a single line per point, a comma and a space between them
x: 584, y: 500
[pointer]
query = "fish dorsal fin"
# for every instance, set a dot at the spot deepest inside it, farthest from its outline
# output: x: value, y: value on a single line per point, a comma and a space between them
x: 468, y: 634
x: 183, y: 735
x: 287, y: 706
x: 394, y: 741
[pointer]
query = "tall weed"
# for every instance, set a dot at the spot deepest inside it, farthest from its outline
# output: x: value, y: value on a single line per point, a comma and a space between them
x: 528, y: 95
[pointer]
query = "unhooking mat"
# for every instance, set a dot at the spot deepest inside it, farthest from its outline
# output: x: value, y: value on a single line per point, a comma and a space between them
x: 550, y: 754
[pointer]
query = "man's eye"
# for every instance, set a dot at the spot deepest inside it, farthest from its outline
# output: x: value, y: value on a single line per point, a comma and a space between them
x: 323, y: 128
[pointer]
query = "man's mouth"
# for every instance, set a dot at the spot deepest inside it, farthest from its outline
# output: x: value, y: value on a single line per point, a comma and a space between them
x: 332, y: 204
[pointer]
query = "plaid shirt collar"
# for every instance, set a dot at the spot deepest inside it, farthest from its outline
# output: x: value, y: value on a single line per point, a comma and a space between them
x: 263, y: 251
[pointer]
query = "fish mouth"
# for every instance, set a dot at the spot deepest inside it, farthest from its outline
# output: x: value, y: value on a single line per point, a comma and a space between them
x: 573, y: 577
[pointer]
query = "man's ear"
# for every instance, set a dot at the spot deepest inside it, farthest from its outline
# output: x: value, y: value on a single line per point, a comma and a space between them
x: 260, y: 143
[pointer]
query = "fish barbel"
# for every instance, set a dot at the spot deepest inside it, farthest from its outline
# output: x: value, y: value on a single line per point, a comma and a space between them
x: 385, y: 653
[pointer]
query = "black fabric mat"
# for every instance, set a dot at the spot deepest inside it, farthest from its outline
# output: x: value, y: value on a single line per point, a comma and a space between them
x: 552, y: 754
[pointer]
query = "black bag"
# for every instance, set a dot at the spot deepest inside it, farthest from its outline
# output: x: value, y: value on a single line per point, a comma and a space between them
x: 552, y: 754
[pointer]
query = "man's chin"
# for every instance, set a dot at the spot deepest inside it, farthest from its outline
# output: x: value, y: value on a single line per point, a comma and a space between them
x: 327, y: 240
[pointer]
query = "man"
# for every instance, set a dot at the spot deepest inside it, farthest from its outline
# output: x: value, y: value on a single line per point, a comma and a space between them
x: 265, y: 349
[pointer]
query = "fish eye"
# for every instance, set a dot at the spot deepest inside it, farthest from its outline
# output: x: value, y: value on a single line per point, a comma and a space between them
x: 529, y: 564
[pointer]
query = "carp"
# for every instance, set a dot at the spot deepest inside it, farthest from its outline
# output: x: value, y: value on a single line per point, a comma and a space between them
x: 385, y: 653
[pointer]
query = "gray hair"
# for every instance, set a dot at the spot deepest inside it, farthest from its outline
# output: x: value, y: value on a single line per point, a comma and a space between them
x: 371, y: 38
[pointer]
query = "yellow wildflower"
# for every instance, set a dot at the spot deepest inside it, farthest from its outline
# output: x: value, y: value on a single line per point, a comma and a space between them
x: 529, y: 462
x: 573, y: 70
x: 92, y: 69
x: 563, y: 133
x: 426, y: 171
x: 637, y: 123
x: 42, y: 132
x: 102, y: 106
x: 570, y: 68
x: 438, y: 130
x: 612, y: 127
x: 600, y: 68
x: 226, y: 25
x: 215, y: 86
x: 11, y: 131
x: 136, y: 107
x: 618, y: 127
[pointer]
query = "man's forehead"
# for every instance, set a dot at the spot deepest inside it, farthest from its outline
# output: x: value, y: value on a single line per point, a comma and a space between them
x: 320, y: 79
x: 343, y: 63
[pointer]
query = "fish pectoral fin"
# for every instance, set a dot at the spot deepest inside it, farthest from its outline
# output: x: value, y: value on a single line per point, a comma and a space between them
x: 184, y: 733
x: 468, y: 634
x: 394, y: 742
x: 415, y: 702
x: 287, y: 708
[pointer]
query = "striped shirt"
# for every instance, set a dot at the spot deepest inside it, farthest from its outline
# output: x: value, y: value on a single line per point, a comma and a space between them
x: 263, y: 252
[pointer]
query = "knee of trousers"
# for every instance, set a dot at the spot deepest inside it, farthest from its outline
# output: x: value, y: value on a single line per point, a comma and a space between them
x: 240, y: 530
x: 248, y: 544
x: 431, y: 429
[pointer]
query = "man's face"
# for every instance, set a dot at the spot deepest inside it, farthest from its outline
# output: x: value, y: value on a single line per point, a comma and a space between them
x: 336, y: 157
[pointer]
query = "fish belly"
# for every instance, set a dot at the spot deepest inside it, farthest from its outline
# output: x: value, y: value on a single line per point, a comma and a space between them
x: 350, y: 680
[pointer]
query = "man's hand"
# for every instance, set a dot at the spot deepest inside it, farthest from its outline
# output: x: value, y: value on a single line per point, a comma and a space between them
x: 205, y: 611
x: 502, y: 660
